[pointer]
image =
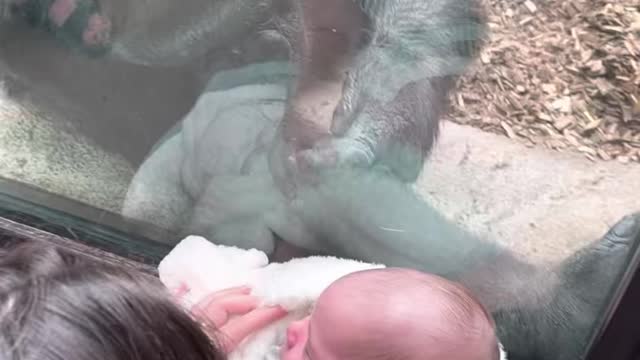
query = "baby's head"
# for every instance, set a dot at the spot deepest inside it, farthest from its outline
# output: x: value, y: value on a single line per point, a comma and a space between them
x: 394, y: 314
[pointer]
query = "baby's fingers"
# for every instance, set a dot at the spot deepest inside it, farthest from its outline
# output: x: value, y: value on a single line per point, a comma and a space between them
x: 218, y: 309
x: 236, y: 330
x: 183, y: 289
x: 180, y: 292
x: 230, y: 291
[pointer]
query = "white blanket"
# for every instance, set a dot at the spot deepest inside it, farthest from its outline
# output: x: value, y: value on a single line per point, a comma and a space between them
x: 294, y: 285
x: 205, y: 267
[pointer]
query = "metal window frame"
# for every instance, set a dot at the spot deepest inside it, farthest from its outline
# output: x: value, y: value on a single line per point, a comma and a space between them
x: 56, y: 217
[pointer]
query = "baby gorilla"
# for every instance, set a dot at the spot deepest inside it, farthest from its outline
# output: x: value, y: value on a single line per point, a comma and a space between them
x: 394, y: 314
x: 81, y: 24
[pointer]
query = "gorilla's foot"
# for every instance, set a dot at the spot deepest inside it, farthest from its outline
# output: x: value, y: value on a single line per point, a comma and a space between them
x: 79, y: 23
x: 593, y: 273
x: 561, y: 328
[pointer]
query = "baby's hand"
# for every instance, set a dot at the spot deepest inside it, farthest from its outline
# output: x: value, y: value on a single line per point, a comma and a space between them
x: 219, y: 307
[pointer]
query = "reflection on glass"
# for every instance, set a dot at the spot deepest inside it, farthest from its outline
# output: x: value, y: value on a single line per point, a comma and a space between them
x: 216, y: 119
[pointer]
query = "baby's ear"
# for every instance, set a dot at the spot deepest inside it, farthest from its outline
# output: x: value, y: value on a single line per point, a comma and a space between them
x: 296, y: 341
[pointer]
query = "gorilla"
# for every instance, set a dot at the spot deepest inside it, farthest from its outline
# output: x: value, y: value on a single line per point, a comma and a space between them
x: 313, y: 138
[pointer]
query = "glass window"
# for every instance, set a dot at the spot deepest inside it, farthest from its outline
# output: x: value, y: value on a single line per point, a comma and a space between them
x: 496, y: 144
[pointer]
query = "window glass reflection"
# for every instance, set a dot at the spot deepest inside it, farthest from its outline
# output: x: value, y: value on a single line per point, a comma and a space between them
x: 495, y: 144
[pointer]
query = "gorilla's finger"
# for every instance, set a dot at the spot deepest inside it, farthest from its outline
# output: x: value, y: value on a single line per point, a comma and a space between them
x: 347, y: 108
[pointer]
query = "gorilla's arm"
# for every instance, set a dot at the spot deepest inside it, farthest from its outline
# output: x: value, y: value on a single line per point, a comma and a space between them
x: 323, y: 47
x: 408, y: 40
x: 397, y: 86
x: 542, y: 313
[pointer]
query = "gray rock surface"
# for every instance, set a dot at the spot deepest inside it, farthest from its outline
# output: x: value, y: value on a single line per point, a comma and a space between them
x: 541, y: 203
x: 38, y: 149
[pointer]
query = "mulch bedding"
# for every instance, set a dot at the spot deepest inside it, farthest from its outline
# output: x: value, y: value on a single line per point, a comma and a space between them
x: 561, y: 74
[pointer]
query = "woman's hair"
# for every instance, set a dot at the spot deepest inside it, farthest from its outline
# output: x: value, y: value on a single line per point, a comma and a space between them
x: 56, y: 305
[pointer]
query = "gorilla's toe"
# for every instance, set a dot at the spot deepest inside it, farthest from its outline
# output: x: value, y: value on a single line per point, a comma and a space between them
x: 605, y: 258
x: 587, y: 279
x: 624, y: 233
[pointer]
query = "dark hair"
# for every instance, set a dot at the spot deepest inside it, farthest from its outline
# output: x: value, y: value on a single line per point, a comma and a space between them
x: 57, y: 305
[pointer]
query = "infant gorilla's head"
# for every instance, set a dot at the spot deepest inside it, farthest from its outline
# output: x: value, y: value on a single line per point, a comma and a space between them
x: 394, y: 314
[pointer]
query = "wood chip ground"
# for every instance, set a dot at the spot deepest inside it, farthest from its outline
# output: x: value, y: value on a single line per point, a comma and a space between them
x: 559, y: 74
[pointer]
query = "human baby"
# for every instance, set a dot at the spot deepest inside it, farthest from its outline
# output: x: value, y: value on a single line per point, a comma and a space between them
x: 339, y: 308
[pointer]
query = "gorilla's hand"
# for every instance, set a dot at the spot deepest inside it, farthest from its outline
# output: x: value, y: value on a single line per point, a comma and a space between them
x: 397, y: 135
x: 335, y: 153
x: 364, y: 132
x: 304, y: 168
x: 305, y: 127
x: 396, y: 88
x: 80, y: 24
